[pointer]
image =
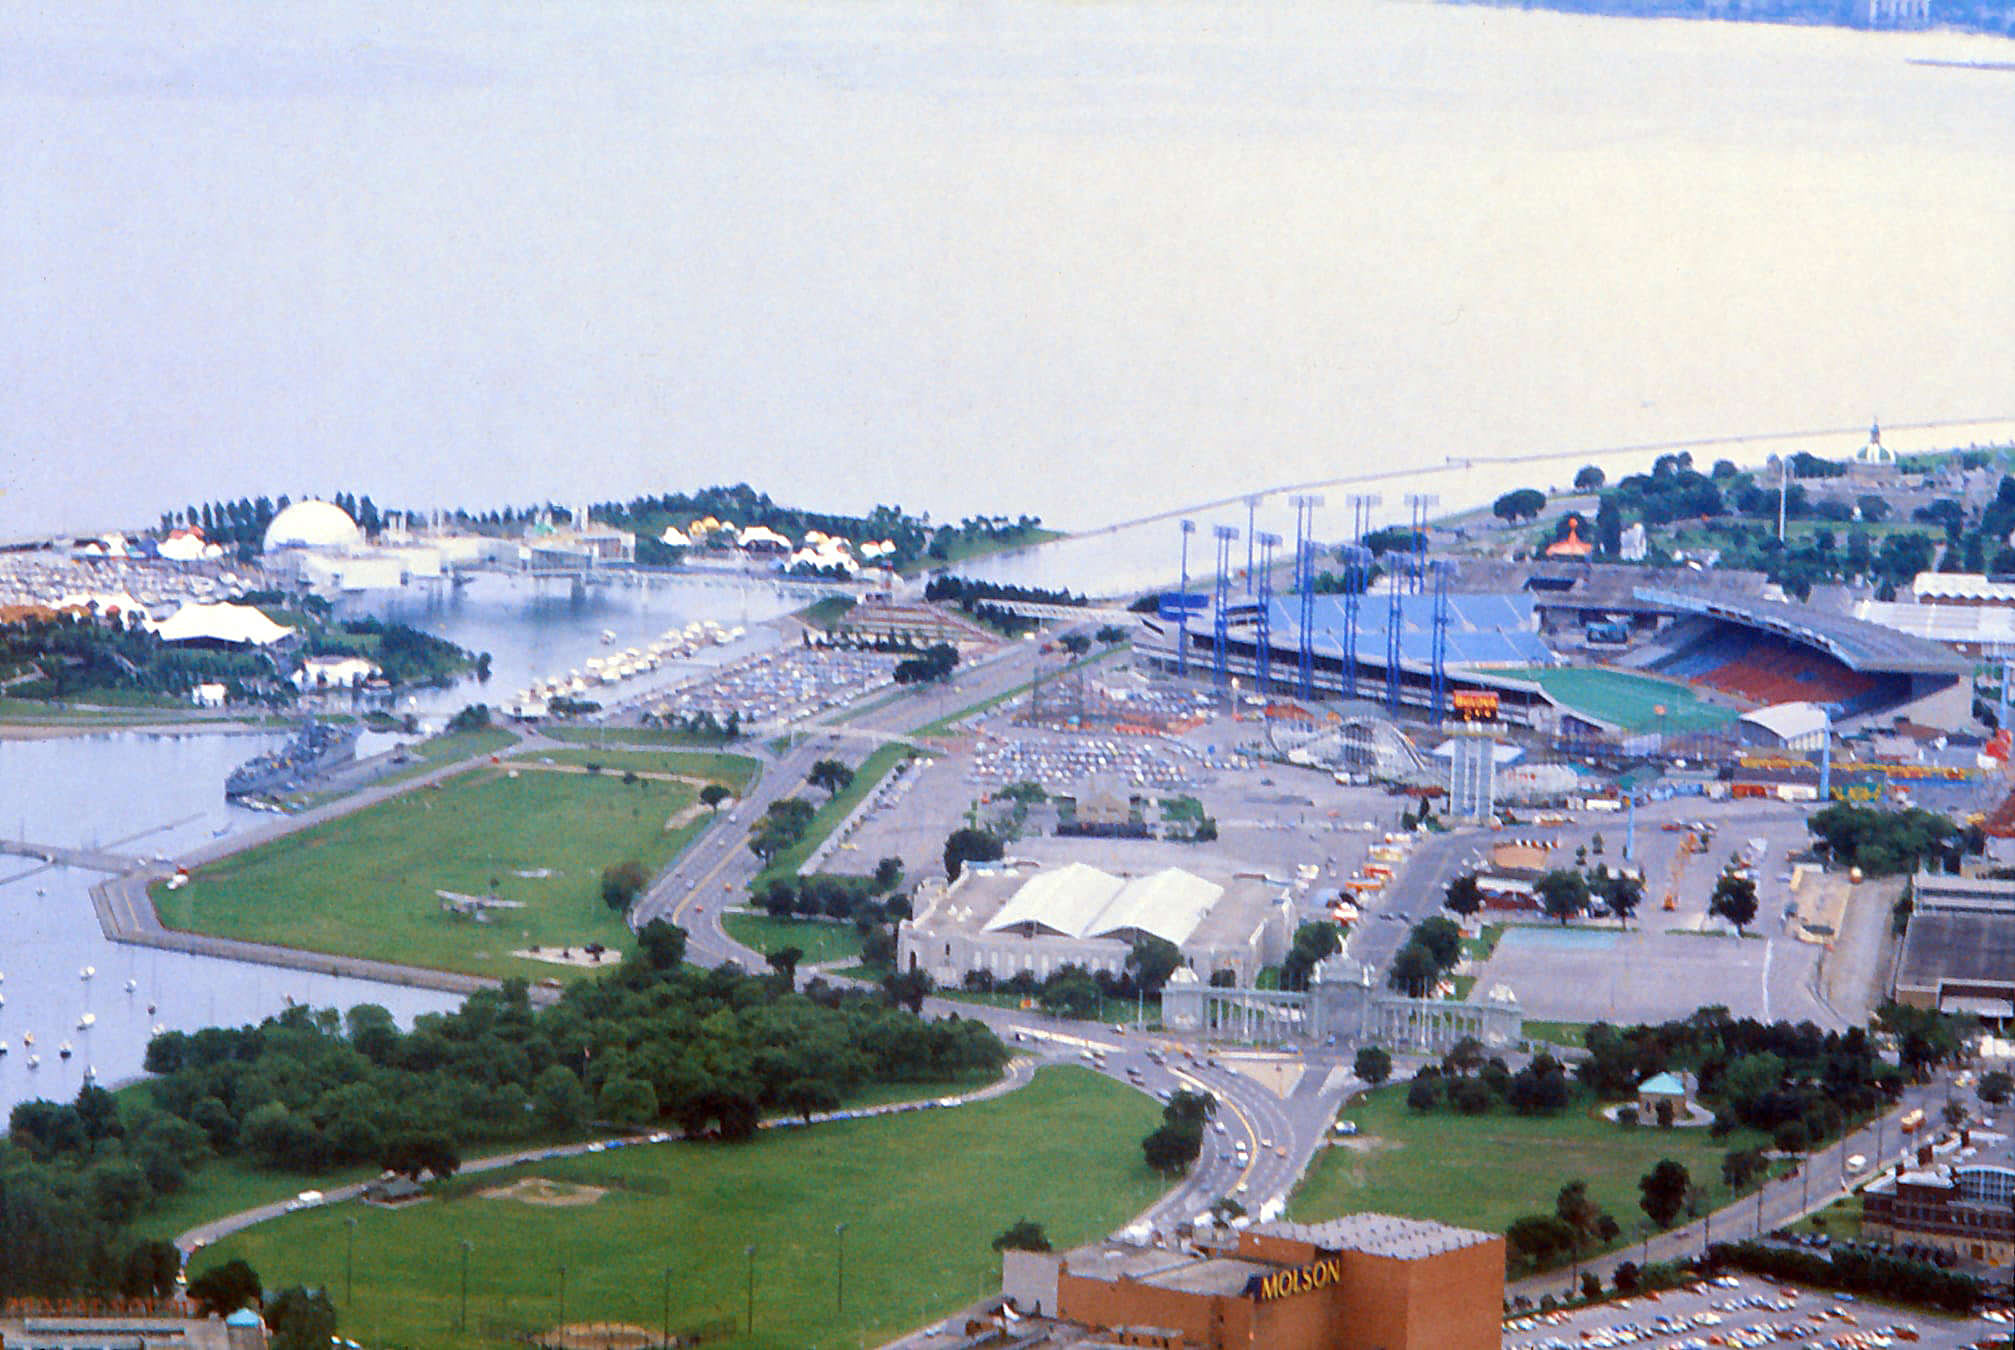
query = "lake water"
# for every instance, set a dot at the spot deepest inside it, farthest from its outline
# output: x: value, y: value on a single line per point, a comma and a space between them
x: 139, y: 794
x: 144, y: 794
x: 536, y: 629
x: 1087, y: 260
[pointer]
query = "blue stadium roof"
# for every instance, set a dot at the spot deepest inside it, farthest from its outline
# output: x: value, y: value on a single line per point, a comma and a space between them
x: 1483, y: 630
x: 1856, y: 644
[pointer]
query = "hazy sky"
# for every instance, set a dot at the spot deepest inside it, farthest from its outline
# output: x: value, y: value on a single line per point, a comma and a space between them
x: 1079, y: 259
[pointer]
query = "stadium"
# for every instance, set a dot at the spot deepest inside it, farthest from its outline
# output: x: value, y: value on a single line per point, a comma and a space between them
x: 1689, y: 663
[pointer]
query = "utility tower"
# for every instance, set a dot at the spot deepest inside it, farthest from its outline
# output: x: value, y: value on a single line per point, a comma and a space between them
x: 1182, y: 606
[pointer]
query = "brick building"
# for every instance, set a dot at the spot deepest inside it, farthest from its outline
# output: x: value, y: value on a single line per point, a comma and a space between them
x: 1959, y: 1196
x: 1363, y: 1282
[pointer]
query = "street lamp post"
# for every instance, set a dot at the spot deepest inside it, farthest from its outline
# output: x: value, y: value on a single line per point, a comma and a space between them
x: 840, y: 1267
x: 563, y: 1295
x: 349, y: 1264
x: 750, y: 1252
x: 467, y: 1247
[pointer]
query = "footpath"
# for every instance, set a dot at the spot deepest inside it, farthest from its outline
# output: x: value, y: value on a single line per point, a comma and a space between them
x: 1019, y: 1074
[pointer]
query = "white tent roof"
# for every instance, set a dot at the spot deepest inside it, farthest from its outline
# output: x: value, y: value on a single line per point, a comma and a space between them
x: 188, y: 546
x: 674, y: 537
x: 1170, y: 904
x: 220, y: 623
x: 1065, y: 900
x: 1789, y: 721
x: 1083, y: 902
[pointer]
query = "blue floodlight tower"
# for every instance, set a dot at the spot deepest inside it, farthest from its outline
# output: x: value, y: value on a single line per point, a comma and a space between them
x: 1439, y: 655
x: 1263, y: 653
x: 1392, y: 624
x: 1304, y: 585
x: 1251, y: 534
x: 1360, y: 514
x: 1417, y: 505
x: 1182, y: 606
x: 1224, y: 534
x: 1356, y: 576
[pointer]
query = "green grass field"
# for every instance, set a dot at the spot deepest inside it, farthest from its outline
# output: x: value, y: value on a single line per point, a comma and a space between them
x: 364, y: 885
x: 733, y: 772
x: 1573, y: 1034
x: 819, y: 941
x: 1484, y: 1171
x: 1629, y: 700
x: 631, y: 737
x: 922, y: 1196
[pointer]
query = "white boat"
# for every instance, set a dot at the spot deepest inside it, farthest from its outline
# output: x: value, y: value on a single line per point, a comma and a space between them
x: 87, y: 1021
x: 27, y: 1038
x: 87, y: 972
x: 158, y: 1028
x: 3, y: 1047
x: 34, y: 1061
x: 90, y: 1072
x: 609, y: 635
x: 131, y: 985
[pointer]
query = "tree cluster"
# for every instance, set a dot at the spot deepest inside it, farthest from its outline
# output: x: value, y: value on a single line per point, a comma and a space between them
x: 970, y: 844
x: 1075, y: 991
x: 1471, y: 1084
x: 1795, y: 1081
x: 782, y: 824
x: 965, y: 592
x: 1312, y: 944
x: 825, y: 895
x: 1882, y: 843
x: 72, y: 655
x: 1576, y: 1225
x: 1432, y: 949
x: 1858, y: 1270
x: 653, y: 1041
x: 404, y: 654
x: 937, y: 662
x: 1175, y: 1144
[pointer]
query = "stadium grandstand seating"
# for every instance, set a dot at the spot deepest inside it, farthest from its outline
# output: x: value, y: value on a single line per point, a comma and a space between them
x: 1765, y: 669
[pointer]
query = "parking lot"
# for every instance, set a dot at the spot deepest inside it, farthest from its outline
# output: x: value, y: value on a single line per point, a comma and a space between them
x: 783, y: 685
x: 1746, y: 1311
x: 1667, y: 963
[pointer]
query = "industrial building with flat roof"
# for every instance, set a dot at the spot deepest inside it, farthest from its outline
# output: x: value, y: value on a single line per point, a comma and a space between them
x: 1959, y: 950
x: 1362, y: 1282
x: 1007, y: 919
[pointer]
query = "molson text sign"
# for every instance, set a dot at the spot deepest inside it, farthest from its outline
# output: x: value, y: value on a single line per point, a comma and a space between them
x: 1296, y: 1280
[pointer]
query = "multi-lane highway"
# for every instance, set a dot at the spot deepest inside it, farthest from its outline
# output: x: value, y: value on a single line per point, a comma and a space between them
x: 1279, y: 1134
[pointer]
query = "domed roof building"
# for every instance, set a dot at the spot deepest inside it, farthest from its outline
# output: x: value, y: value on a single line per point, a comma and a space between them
x: 313, y: 524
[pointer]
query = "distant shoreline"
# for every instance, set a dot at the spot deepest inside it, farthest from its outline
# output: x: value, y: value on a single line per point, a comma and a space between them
x: 1818, y: 15
x: 1960, y: 65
